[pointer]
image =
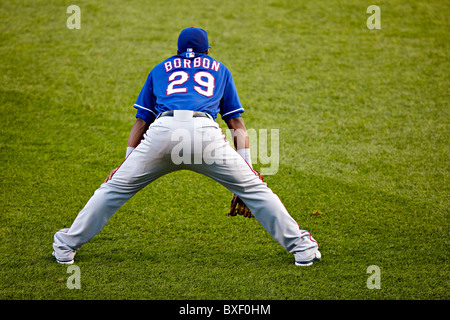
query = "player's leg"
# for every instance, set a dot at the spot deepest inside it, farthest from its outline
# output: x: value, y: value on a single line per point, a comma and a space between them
x: 142, y: 166
x: 227, y: 167
x: 105, y: 201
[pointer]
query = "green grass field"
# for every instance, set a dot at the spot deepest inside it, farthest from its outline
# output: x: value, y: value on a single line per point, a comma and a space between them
x: 363, y: 120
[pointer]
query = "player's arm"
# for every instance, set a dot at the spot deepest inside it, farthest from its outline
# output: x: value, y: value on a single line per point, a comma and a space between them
x: 135, y: 137
x: 240, y: 137
x: 137, y: 133
x: 242, y: 144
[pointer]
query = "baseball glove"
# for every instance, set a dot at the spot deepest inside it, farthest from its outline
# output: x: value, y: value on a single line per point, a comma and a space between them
x: 238, y: 207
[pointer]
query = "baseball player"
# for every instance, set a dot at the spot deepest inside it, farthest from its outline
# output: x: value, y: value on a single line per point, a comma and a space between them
x: 175, y: 129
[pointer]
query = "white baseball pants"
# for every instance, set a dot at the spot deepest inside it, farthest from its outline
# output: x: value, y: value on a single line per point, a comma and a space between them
x: 177, y: 143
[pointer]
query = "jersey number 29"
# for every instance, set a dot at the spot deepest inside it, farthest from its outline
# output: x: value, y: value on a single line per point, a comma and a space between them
x: 204, y: 79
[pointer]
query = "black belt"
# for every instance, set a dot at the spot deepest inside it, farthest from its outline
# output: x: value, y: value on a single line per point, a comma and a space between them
x: 197, y: 114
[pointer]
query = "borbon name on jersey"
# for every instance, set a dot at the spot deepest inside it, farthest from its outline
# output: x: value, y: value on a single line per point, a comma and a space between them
x: 189, y: 82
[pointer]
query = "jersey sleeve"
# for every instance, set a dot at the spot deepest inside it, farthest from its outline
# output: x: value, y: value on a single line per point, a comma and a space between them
x: 230, y: 105
x: 146, y: 102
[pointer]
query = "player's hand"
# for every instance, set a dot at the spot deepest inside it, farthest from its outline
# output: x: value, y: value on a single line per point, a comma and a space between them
x: 238, y: 207
x: 111, y: 174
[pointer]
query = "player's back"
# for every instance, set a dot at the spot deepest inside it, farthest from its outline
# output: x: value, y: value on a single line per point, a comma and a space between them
x: 195, y: 82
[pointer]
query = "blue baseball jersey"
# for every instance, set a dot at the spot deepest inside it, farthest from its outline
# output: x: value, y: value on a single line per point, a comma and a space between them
x: 189, y: 81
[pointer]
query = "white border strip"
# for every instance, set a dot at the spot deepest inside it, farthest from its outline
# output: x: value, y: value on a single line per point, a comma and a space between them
x: 224, y: 115
x: 144, y: 108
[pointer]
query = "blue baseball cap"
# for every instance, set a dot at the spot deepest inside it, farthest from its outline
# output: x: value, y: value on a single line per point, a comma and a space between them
x: 193, y: 39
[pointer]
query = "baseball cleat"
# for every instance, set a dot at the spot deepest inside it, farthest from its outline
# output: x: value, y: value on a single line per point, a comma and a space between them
x: 62, y: 261
x: 309, y: 261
